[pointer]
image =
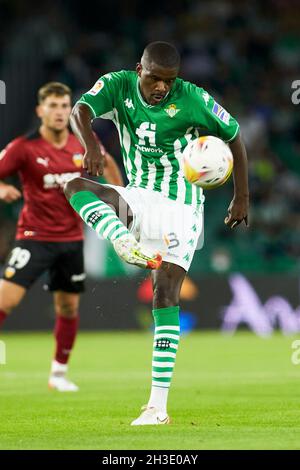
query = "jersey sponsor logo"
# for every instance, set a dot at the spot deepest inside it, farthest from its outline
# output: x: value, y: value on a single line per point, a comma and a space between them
x: 77, y: 159
x: 172, y: 110
x: 128, y: 102
x: 56, y: 180
x: 96, y: 88
x: 147, y: 131
x: 43, y: 161
x: 222, y: 114
x: 142, y: 148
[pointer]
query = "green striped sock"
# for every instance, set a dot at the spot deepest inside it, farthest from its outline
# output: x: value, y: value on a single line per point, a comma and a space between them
x: 166, y: 339
x: 98, y: 215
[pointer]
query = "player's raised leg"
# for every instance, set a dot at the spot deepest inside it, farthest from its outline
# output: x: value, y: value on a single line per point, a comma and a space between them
x: 167, y: 283
x: 66, y: 325
x: 98, y: 206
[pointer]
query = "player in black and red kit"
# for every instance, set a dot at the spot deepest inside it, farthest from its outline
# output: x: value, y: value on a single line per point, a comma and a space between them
x: 49, y: 233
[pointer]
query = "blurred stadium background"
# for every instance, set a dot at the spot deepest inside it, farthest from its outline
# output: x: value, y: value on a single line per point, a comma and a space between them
x: 246, y: 54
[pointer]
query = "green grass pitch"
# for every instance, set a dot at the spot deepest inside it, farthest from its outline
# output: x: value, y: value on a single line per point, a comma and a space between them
x: 239, y: 392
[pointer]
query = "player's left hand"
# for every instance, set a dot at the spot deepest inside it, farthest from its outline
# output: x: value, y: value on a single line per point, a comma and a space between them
x: 237, y: 212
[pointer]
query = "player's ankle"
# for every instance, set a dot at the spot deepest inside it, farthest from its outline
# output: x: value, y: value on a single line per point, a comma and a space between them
x: 58, y: 369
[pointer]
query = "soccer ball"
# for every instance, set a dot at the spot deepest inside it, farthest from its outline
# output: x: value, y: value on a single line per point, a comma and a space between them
x: 207, y: 162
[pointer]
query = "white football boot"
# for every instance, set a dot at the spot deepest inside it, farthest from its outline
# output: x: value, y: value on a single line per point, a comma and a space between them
x: 61, y: 384
x: 131, y: 251
x: 57, y: 379
x: 151, y: 415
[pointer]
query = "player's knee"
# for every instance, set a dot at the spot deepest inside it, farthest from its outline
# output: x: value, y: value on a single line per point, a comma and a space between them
x: 73, y: 186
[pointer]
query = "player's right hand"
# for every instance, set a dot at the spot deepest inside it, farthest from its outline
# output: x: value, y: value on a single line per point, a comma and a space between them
x: 93, y: 161
x: 9, y: 193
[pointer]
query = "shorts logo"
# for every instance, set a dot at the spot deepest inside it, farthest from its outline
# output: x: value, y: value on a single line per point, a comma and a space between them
x: 96, y: 88
x: 222, y: 114
x: 77, y: 159
x: 93, y: 218
x: 9, y: 272
x: 163, y: 343
x: 171, y: 240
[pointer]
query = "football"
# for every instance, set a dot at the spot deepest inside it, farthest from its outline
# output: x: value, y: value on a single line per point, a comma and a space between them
x: 207, y: 162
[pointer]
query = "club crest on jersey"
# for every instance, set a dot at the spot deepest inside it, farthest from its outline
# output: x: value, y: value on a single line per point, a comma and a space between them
x: 96, y: 88
x: 222, y: 114
x: 171, y: 110
x: 77, y: 159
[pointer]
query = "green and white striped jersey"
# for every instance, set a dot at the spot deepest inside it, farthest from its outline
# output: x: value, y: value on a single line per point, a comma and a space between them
x: 152, y: 138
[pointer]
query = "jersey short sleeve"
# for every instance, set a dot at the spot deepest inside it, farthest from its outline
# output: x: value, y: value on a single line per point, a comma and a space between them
x: 212, y: 116
x: 12, y: 157
x: 101, y: 98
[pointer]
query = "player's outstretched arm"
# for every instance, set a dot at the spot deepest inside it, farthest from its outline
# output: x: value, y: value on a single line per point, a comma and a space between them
x: 239, y: 206
x: 80, y: 120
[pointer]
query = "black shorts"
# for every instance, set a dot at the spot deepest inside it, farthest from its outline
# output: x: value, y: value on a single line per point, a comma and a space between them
x: 62, y: 262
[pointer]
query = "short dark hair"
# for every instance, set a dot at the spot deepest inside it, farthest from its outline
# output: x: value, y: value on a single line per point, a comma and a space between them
x: 163, y: 54
x: 53, y: 88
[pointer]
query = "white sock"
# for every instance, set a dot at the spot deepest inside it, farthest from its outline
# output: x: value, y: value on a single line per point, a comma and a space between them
x: 159, y: 398
x: 58, y: 369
